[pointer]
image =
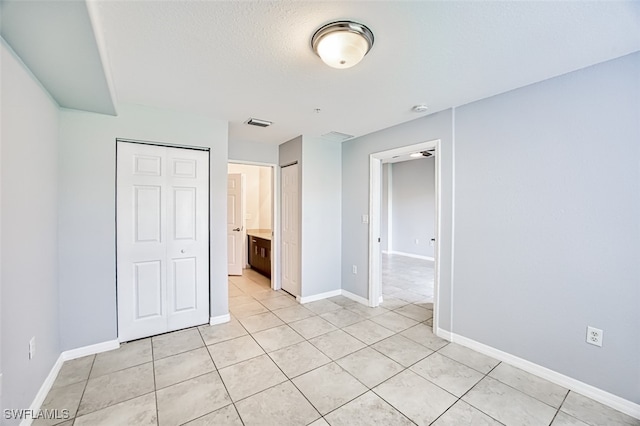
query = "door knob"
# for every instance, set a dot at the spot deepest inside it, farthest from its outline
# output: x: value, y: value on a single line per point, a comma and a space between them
x: 236, y: 229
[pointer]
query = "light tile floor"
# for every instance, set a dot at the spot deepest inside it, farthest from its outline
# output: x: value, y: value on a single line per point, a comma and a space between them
x: 328, y: 362
x: 407, y: 278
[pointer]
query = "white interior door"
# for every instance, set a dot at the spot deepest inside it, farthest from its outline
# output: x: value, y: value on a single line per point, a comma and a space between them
x: 162, y: 239
x: 290, y: 230
x: 235, y: 239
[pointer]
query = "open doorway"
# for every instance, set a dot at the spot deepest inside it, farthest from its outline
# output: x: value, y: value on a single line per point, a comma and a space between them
x: 251, y: 217
x: 404, y: 242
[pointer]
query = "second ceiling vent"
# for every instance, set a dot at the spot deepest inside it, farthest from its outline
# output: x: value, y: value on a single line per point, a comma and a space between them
x: 258, y: 122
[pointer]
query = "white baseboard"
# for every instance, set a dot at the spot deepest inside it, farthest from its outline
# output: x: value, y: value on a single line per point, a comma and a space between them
x: 444, y: 334
x: 415, y: 256
x: 355, y: 297
x: 65, y: 356
x: 44, y: 390
x: 90, y: 350
x: 320, y: 296
x: 623, y: 405
x: 220, y: 319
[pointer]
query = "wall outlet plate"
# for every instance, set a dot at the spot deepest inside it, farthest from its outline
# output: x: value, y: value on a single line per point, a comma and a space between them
x: 354, y: 269
x: 594, y: 336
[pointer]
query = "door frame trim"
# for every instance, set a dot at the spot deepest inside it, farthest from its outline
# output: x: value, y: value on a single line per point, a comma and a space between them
x: 375, y: 208
x: 164, y: 144
x: 275, y: 217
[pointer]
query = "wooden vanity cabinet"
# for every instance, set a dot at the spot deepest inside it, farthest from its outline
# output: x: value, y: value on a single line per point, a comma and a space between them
x: 260, y: 255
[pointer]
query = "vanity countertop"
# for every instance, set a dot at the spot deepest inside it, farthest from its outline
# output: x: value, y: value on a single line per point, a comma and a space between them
x: 260, y: 233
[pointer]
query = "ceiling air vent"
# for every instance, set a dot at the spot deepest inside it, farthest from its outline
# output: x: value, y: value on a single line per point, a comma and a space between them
x: 258, y: 122
x: 336, y: 136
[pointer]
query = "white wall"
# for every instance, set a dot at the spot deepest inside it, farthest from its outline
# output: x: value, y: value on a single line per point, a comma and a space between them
x: 258, y: 196
x: 266, y: 198
x: 251, y: 193
x: 413, y: 206
x: 28, y: 242
x: 87, y: 210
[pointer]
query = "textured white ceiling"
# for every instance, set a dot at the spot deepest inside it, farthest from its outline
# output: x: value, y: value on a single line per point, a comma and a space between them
x: 239, y: 59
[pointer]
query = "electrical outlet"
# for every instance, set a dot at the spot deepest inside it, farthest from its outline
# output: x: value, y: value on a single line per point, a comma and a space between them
x: 354, y: 269
x: 365, y: 218
x: 417, y: 241
x: 594, y: 336
x: 32, y: 347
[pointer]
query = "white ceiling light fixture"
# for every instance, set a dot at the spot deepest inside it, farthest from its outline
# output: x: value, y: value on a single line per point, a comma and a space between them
x: 342, y: 44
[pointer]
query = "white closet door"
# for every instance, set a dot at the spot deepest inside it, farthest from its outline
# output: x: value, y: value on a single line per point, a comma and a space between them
x: 290, y: 230
x: 162, y: 239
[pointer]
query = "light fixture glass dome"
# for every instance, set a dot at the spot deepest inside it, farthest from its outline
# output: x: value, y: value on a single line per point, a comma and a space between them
x: 342, y: 44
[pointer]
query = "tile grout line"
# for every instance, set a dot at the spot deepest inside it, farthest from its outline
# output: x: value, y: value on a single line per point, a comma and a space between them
x: 221, y: 381
x: 560, y: 406
x: 84, y: 387
x: 285, y: 375
x: 471, y: 388
x: 155, y: 385
x: 116, y: 371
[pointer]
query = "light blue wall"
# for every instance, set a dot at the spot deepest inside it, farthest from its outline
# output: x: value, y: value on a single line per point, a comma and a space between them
x: 320, y: 215
x: 355, y: 199
x: 547, y: 220
x: 29, y: 182
x: 87, y: 210
x: 321, y: 228
x: 413, y: 206
x: 547, y: 223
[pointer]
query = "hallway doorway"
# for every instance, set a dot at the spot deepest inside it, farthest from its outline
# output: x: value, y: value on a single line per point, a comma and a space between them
x: 406, y: 276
